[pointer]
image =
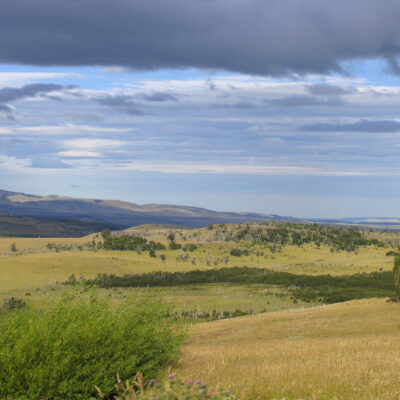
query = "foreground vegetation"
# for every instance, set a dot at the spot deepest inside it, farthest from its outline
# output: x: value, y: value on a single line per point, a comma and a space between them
x: 172, y: 389
x: 63, y: 349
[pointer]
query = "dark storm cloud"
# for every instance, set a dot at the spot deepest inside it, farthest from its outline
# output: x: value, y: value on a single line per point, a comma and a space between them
x: 121, y: 103
x: 267, y: 37
x: 360, y: 126
x: 8, y: 94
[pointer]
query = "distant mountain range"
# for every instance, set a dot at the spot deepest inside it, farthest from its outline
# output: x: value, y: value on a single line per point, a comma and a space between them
x: 38, y: 215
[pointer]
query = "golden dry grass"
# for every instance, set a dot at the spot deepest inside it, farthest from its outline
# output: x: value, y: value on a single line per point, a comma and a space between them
x: 344, y: 351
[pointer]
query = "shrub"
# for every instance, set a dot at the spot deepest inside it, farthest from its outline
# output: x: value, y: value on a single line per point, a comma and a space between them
x: 62, y: 350
x: 172, y: 390
x: 396, y: 275
x: 174, y: 246
x: 239, y: 252
x: 13, y: 303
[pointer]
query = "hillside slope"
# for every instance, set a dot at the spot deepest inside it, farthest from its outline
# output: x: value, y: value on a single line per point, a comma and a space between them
x: 19, y: 226
x: 344, y: 351
x: 120, y: 213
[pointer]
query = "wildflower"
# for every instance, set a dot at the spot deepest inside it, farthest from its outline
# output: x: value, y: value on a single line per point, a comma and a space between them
x: 153, y: 381
x: 201, y: 390
x: 198, y: 382
x: 190, y: 382
x: 171, y: 376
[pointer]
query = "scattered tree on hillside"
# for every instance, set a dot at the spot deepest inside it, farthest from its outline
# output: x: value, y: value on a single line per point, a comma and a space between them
x: 396, y: 274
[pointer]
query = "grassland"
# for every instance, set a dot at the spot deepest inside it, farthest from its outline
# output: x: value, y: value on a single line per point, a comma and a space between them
x: 344, y: 351
x: 287, y: 348
x: 33, y: 265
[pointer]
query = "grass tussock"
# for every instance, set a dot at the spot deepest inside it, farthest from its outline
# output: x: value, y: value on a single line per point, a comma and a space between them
x: 63, y: 349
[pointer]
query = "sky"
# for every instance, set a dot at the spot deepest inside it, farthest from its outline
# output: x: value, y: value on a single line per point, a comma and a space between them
x: 282, y: 107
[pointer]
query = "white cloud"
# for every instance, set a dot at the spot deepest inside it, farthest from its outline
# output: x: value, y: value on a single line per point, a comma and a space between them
x: 79, y: 154
x: 69, y: 129
x: 245, y: 169
x: 92, y: 144
x: 22, y: 78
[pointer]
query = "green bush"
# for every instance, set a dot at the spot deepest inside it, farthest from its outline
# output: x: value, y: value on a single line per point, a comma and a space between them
x: 396, y: 275
x: 173, y: 389
x: 64, y: 349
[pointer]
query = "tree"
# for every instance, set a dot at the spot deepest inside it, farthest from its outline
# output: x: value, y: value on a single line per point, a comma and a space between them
x: 13, y: 247
x: 171, y: 237
x: 106, y: 234
x: 396, y: 275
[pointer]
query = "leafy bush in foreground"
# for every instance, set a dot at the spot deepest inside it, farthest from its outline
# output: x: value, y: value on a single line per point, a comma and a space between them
x: 63, y: 350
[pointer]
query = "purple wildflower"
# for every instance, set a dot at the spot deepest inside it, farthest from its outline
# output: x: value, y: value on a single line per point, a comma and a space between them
x: 198, y: 382
x: 171, y: 376
x: 190, y: 382
x: 153, y: 381
x: 201, y: 390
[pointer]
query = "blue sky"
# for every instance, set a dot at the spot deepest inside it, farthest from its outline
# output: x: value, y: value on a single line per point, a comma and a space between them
x: 306, y: 144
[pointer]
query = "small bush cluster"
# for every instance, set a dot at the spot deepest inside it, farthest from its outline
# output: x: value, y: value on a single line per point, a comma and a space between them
x: 12, y: 304
x: 62, y: 350
x: 211, y: 315
x: 130, y: 242
x: 174, y: 245
x: 173, y: 389
x: 239, y: 252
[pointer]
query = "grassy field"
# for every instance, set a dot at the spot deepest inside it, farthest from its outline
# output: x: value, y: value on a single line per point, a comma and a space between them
x: 193, y: 299
x: 344, y: 351
x: 33, y: 265
x: 285, y: 349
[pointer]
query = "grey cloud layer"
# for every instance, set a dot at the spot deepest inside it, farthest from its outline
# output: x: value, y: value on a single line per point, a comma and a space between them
x: 8, y: 94
x: 359, y: 126
x: 267, y: 37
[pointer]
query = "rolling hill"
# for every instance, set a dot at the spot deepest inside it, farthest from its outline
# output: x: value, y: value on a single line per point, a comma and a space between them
x: 67, y: 216
x: 121, y: 214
